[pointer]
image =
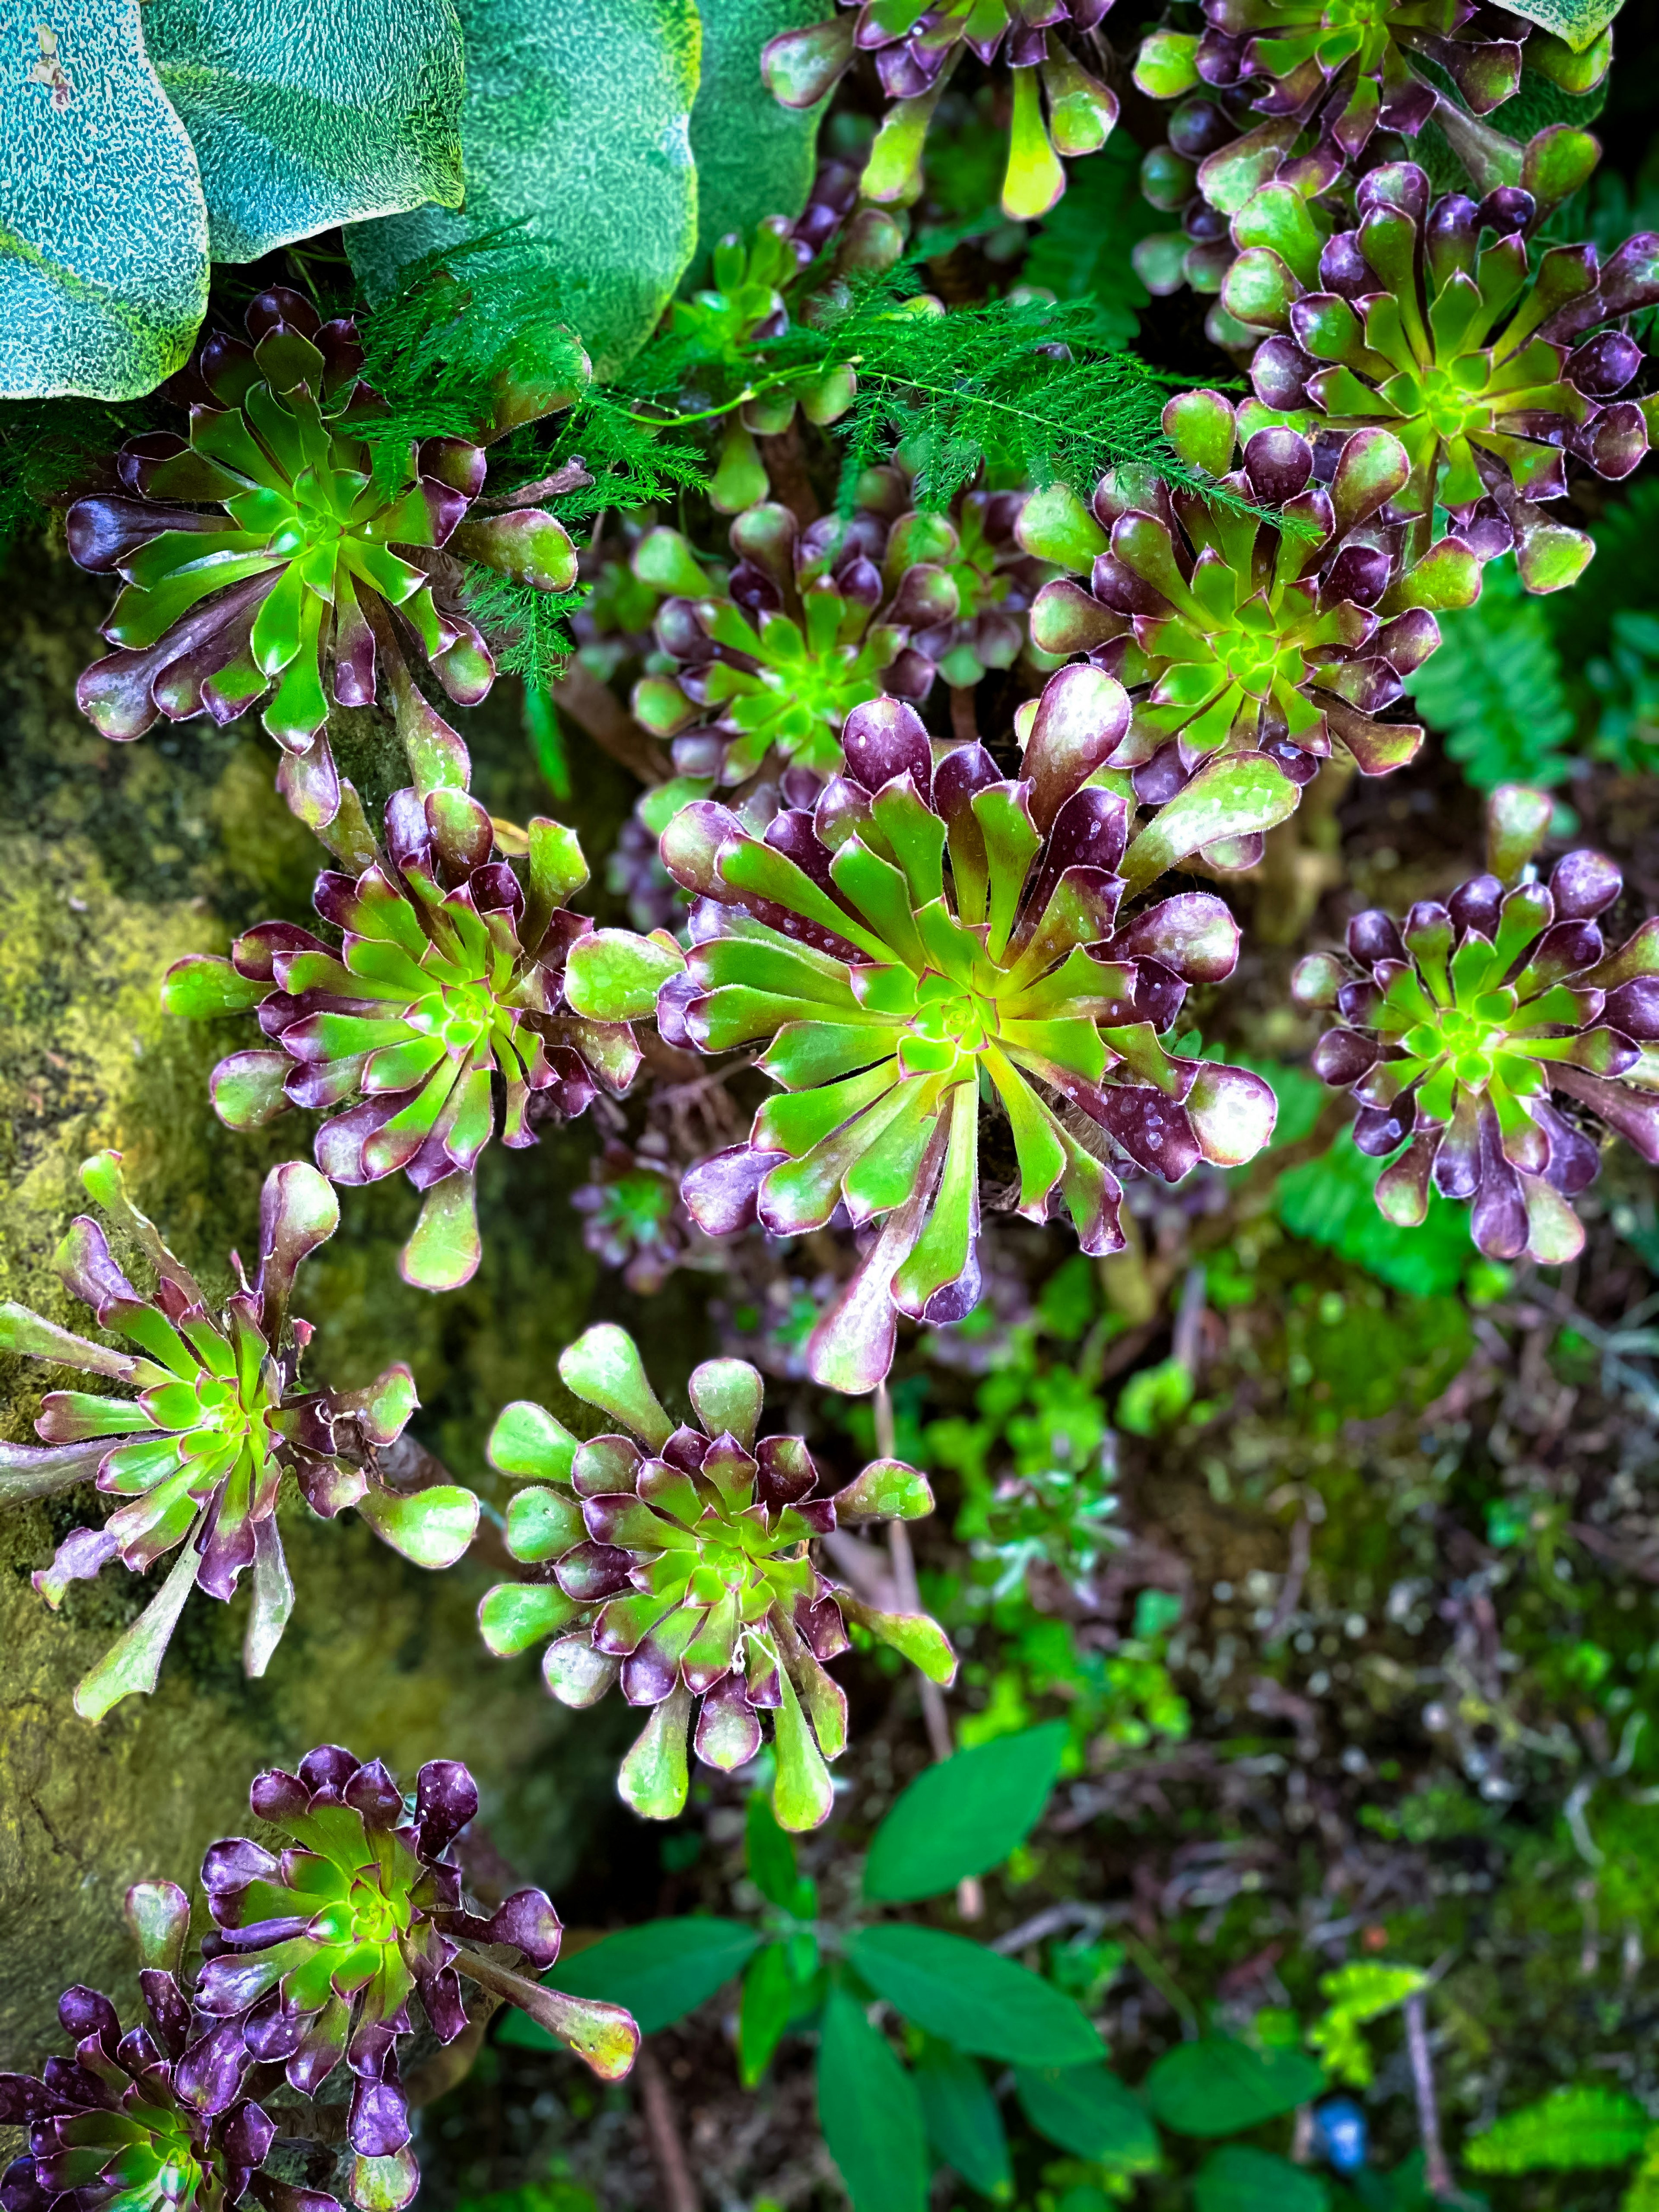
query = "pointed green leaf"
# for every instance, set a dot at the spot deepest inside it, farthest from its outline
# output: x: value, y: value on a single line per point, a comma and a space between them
x: 130, y: 1668
x: 1234, y: 798
x: 870, y: 2113
x: 802, y: 1792
x: 964, y: 1815
x: 1087, y: 2110
x: 971, y: 1996
x: 662, y: 1971
x: 1241, y: 2178
x: 964, y: 2121
x: 1217, y: 2087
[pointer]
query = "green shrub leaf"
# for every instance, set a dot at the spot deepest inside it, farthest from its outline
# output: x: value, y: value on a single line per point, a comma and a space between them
x: 1330, y: 1200
x: 576, y: 128
x: 972, y: 1998
x: 964, y: 2121
x: 870, y: 2113
x: 1087, y: 2110
x: 964, y: 1816
x: 1240, y: 2180
x: 103, y: 253
x: 660, y: 1971
x: 1217, y: 2087
x: 358, y: 117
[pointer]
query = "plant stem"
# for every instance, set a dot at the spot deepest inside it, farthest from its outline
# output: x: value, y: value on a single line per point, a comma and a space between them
x: 679, y: 2191
x: 970, y: 1893
x: 1436, y: 2174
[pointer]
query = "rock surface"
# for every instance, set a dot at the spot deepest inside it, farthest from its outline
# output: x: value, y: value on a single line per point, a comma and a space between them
x: 113, y: 861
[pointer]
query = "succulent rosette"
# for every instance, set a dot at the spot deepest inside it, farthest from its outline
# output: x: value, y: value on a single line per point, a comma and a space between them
x: 764, y: 665
x: 321, y: 1946
x: 932, y: 938
x: 916, y: 47
x: 678, y: 1561
x: 198, y: 1456
x: 634, y: 1217
x: 447, y: 982
x: 977, y: 546
x: 1491, y: 366
x: 157, y: 2119
x: 1485, y: 1032
x: 1235, y: 632
x: 270, y: 552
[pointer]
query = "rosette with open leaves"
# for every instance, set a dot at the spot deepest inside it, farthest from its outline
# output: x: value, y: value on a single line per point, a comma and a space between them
x: 321, y: 1949
x: 158, y: 2119
x: 199, y: 1453
x: 447, y: 976
x: 935, y: 940
x: 766, y: 665
x: 1491, y: 362
x: 677, y: 1560
x: 1485, y: 1033
x: 271, y: 547
x: 1233, y: 632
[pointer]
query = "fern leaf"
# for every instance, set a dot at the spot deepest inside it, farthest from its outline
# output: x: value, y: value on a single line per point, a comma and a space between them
x: 1575, y: 2127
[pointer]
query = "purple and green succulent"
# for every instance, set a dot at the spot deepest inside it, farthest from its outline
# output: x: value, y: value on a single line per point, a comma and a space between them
x: 634, y: 1217
x: 1434, y: 321
x: 917, y: 46
x: 1487, y: 1033
x: 1233, y: 631
x: 320, y: 1948
x: 1343, y: 69
x: 199, y: 1453
x: 678, y: 1561
x: 270, y: 553
x: 159, y: 2119
x: 446, y: 982
x: 933, y: 941
x: 762, y: 666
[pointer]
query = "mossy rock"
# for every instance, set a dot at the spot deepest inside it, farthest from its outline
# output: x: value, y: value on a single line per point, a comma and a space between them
x: 113, y: 861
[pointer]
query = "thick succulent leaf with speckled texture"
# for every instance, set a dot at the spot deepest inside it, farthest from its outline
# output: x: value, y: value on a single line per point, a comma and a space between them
x: 577, y: 127
x: 306, y: 117
x: 754, y: 156
x: 1580, y: 22
x: 103, y: 227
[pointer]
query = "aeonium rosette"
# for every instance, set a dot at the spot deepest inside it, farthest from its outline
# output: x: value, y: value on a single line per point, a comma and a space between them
x: 933, y: 941
x: 322, y: 1947
x: 676, y: 1559
x: 916, y: 47
x: 1491, y: 362
x: 1485, y: 1034
x: 159, y: 2119
x: 199, y: 1456
x: 1232, y: 630
x: 448, y: 983
x: 271, y: 547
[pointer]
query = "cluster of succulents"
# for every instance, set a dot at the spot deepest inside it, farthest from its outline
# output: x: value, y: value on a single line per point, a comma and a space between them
x: 448, y: 975
x: 888, y: 987
x: 319, y: 1949
x: 159, y: 2119
x: 316, y: 1954
x: 1460, y: 1027
x: 198, y: 1456
x: 634, y: 1218
x: 1234, y: 632
x: 677, y: 1560
x: 271, y: 550
x: 916, y: 47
